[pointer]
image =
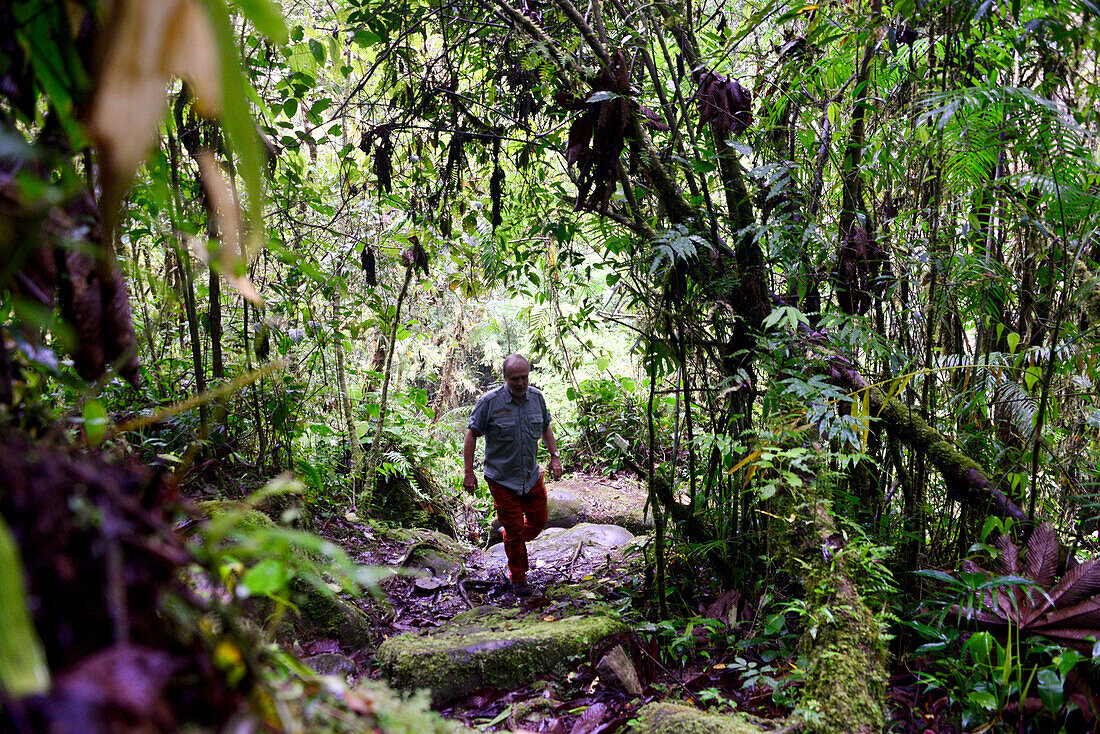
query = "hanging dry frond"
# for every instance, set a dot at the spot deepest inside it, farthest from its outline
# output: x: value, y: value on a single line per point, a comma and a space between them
x: 456, y: 162
x: 862, y: 271
x: 263, y: 342
x: 722, y: 102
x: 147, y: 43
x: 383, y: 160
x: 496, y: 185
x: 369, y: 266
x: 414, y: 255
x: 596, y: 137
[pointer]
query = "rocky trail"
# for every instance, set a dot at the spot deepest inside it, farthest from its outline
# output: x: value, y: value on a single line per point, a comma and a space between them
x: 560, y: 661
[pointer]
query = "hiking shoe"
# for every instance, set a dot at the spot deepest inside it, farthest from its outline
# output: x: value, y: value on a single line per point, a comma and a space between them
x: 521, y: 588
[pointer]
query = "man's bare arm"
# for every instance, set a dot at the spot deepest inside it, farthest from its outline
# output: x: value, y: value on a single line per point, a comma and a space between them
x: 551, y: 442
x: 469, y: 479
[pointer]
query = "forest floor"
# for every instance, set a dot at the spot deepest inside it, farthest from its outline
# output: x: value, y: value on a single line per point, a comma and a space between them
x: 744, y: 676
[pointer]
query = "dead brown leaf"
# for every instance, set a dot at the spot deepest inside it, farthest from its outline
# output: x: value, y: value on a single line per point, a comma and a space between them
x: 226, y: 208
x: 144, y: 45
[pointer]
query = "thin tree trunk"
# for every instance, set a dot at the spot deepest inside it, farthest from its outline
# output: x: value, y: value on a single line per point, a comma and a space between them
x: 188, y: 291
x: 354, y: 447
x: 367, y: 494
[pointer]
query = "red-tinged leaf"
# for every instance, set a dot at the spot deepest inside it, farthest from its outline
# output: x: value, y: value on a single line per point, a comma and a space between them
x: 1007, y: 601
x: 580, y: 136
x: 1078, y: 583
x: 592, y: 717
x: 1008, y: 564
x: 1042, y: 556
x: 1085, y: 613
x: 1081, y: 639
x: 969, y: 566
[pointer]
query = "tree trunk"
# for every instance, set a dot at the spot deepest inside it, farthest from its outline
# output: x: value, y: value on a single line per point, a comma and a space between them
x: 367, y: 494
x: 188, y: 291
x: 965, y: 479
x: 354, y: 447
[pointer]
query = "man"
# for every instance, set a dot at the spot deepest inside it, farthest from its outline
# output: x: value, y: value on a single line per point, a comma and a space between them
x: 513, y: 417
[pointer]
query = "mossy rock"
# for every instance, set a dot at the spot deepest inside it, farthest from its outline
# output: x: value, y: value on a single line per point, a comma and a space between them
x: 327, y: 616
x: 400, y: 501
x: 320, y: 614
x: 250, y: 518
x: 489, y: 647
x: 674, y: 718
x: 432, y: 550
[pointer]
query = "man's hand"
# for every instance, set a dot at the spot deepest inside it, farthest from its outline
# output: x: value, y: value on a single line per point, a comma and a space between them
x: 555, y: 468
x: 469, y: 481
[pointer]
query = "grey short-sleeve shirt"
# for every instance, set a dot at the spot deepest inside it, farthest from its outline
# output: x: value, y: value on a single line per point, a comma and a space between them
x: 512, y: 431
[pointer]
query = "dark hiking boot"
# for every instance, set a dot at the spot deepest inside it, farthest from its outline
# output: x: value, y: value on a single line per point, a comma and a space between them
x: 521, y: 588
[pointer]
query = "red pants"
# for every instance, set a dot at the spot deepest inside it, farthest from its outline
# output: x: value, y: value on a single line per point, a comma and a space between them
x: 522, y: 518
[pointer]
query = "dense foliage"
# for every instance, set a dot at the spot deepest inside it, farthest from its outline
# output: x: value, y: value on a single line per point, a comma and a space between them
x: 772, y: 257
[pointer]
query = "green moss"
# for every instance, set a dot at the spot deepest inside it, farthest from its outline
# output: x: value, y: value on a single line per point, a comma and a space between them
x: 489, y: 647
x: 846, y: 676
x: 328, y: 616
x: 376, y: 709
x: 672, y: 718
x: 249, y: 518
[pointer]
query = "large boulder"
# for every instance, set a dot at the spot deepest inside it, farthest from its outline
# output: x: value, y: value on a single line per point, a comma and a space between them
x: 577, y: 546
x: 489, y: 647
x: 607, y: 501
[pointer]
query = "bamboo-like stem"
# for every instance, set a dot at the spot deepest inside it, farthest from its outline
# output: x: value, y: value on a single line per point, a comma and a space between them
x: 367, y: 493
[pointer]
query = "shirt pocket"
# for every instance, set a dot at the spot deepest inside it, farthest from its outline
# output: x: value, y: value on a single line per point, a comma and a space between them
x: 503, y: 428
x: 534, y: 426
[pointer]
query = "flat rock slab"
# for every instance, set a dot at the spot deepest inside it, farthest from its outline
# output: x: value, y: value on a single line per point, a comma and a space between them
x: 595, y: 499
x: 560, y: 551
x: 672, y: 718
x: 489, y: 647
x: 607, y: 501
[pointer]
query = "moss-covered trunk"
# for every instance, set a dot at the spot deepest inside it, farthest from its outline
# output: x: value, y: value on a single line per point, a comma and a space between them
x: 846, y: 675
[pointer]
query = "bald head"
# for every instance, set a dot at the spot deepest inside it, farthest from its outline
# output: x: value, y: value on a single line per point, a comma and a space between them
x: 513, y: 361
x: 516, y: 370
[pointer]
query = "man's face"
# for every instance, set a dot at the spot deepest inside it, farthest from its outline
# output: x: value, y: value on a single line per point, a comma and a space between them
x: 516, y: 377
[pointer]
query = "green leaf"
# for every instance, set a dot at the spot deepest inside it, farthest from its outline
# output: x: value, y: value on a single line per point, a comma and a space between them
x: 1013, y: 341
x: 985, y: 699
x: 267, y: 16
x: 931, y: 573
x: 318, y: 50
x: 268, y: 577
x: 23, y: 669
x: 1050, y: 690
x: 365, y: 37
x: 237, y: 119
x: 1032, y: 375
x: 602, y: 97
x: 95, y: 421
